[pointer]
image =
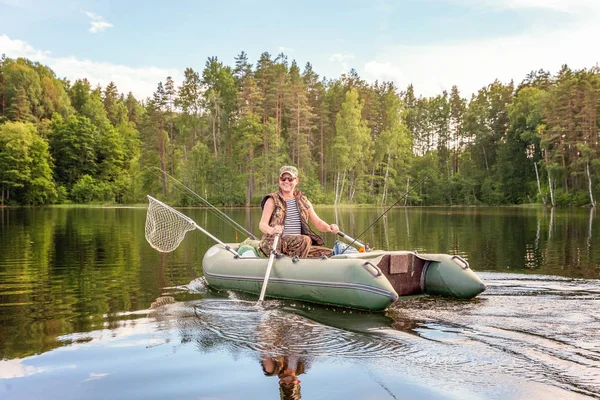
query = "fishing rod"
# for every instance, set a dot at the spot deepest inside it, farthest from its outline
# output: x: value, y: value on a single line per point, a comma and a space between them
x: 397, y: 201
x: 219, y: 212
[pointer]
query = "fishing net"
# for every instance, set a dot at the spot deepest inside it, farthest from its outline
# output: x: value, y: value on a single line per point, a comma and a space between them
x: 166, y: 227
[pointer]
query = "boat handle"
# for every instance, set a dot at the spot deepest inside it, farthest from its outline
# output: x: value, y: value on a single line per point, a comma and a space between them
x: 370, y: 267
x: 461, y: 262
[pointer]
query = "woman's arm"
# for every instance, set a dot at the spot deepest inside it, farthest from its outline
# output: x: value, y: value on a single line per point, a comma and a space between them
x: 266, y: 217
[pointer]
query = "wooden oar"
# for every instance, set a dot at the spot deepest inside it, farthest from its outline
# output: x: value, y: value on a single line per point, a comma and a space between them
x: 269, y: 265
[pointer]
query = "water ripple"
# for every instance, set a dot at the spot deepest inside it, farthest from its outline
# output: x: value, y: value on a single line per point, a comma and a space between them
x: 267, y: 329
x: 525, y: 326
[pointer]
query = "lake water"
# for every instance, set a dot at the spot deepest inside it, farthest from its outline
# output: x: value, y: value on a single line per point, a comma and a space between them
x: 88, y: 310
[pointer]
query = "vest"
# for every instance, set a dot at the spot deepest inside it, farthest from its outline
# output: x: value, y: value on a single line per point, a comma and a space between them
x: 278, y: 216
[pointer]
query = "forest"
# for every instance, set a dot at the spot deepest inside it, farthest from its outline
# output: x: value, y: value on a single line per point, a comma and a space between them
x: 226, y: 130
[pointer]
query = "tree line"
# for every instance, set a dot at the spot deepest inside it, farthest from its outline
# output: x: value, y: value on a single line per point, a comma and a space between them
x: 225, y: 131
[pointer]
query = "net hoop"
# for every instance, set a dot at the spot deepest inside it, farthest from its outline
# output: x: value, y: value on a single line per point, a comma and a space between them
x: 165, y: 227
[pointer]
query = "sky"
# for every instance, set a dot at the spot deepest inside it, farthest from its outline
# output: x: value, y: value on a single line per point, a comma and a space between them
x: 433, y: 44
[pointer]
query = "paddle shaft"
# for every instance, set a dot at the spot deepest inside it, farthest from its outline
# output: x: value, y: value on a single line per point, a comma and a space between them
x: 207, y: 233
x: 353, y: 242
x: 269, y: 266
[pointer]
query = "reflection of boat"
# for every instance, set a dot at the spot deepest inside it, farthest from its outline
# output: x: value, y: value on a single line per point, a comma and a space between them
x: 393, y: 321
x: 368, y: 281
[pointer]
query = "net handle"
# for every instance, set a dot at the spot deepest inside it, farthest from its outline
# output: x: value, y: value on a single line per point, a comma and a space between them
x: 194, y: 224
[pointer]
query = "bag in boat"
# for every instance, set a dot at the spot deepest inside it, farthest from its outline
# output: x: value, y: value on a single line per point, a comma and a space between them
x: 339, y: 248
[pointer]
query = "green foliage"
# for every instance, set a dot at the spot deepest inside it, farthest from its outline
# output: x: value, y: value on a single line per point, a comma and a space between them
x: 197, y: 170
x: 312, y: 189
x: 226, y: 131
x: 491, y: 192
x: 73, y: 148
x: 22, y: 90
x: 84, y: 190
x: 40, y: 189
x: 62, y: 194
x: 352, y: 145
x: 25, y: 165
x: 562, y: 198
x: 580, y: 198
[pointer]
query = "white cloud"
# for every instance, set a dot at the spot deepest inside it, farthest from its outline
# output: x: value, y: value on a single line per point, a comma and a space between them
x: 474, y: 64
x: 342, y: 59
x: 142, y: 81
x: 99, y: 26
x: 18, y: 48
x: 338, y: 57
x: 15, y: 368
x: 286, y: 49
x: 384, y: 71
x: 98, y: 23
x: 94, y: 376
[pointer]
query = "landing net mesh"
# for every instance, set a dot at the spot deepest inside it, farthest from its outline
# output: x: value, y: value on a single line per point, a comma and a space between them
x: 166, y: 227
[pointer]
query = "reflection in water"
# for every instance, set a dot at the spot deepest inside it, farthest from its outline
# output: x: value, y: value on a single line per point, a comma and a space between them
x: 287, y: 368
x: 589, y: 235
x: 288, y: 332
x: 385, y: 232
x: 76, y: 285
x: 527, y: 336
x: 536, y: 330
x: 284, y: 337
x: 551, y: 225
x: 278, y: 336
x: 407, y: 224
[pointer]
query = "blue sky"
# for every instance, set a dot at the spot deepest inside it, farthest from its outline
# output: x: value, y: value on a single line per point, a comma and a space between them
x: 433, y: 44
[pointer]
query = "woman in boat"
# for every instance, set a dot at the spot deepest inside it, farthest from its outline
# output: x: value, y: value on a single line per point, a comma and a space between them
x: 286, y: 213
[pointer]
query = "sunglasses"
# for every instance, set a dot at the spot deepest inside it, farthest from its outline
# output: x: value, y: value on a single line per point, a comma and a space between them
x: 286, y: 178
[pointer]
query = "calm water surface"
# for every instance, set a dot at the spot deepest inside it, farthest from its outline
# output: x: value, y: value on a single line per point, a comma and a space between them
x: 88, y: 310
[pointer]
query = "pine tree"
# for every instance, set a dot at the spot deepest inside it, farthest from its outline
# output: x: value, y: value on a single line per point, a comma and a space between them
x: 189, y: 100
x: 353, y: 144
x: 300, y: 117
x: 457, y: 110
x: 158, y: 104
x: 243, y: 68
x: 110, y: 98
x: 134, y: 109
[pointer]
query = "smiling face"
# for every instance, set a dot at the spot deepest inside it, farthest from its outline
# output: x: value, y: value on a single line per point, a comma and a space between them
x: 287, y: 183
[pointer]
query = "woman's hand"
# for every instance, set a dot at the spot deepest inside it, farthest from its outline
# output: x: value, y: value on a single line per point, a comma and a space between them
x: 276, y: 230
x: 333, y: 228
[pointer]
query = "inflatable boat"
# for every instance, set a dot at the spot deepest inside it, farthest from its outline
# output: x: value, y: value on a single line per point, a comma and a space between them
x: 368, y: 281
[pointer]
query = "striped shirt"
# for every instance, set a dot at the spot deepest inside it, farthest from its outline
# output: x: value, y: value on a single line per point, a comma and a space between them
x: 291, y: 226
